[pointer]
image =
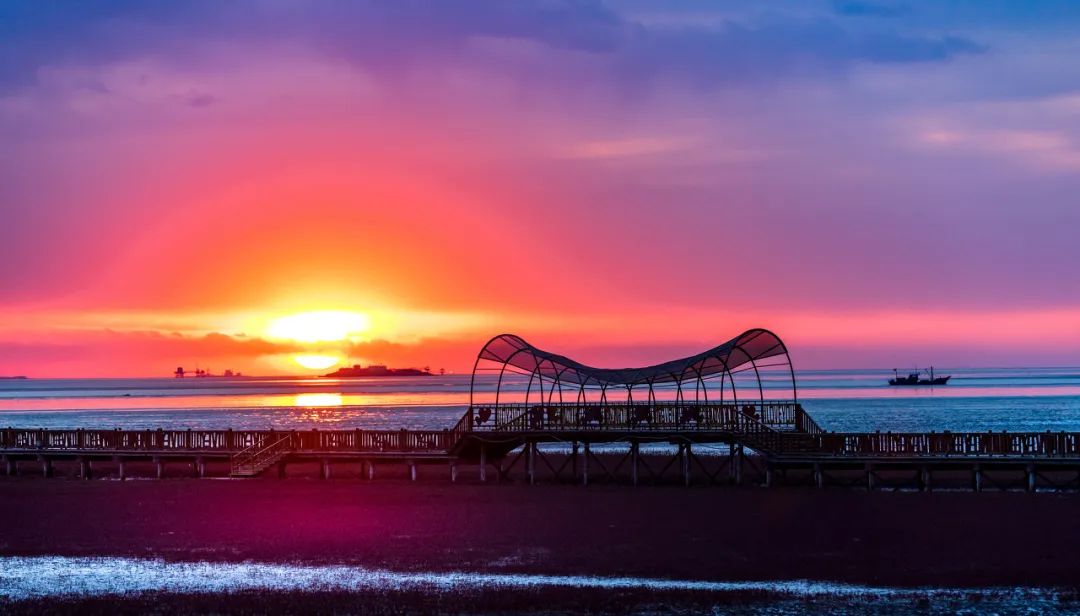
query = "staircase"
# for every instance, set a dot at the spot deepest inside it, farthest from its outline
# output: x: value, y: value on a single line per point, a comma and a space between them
x: 780, y: 443
x: 252, y: 461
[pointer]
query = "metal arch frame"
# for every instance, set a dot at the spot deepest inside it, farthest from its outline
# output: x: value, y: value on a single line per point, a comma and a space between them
x: 761, y: 390
x: 731, y: 376
x: 787, y: 358
x: 589, y: 378
x: 557, y: 383
x: 502, y: 370
x: 476, y: 365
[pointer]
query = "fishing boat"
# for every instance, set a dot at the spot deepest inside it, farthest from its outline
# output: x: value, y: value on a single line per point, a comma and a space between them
x: 915, y: 378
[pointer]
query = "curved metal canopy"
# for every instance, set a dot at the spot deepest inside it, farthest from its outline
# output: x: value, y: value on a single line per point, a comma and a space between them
x: 745, y: 351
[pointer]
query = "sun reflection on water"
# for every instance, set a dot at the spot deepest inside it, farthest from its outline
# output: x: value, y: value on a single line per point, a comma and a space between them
x: 318, y: 399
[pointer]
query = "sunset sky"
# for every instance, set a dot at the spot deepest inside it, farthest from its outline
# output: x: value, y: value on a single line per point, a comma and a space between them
x: 881, y: 183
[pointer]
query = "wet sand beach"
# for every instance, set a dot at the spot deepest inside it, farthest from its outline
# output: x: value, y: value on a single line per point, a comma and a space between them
x: 952, y: 539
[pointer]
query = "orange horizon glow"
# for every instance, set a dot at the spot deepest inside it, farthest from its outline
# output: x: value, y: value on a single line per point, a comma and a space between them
x: 322, y: 332
x: 852, y: 339
x: 320, y: 326
x: 313, y: 361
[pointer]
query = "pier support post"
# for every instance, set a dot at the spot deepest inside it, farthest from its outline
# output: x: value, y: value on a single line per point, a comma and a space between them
x: 200, y: 467
x: 977, y: 478
x: 869, y: 477
x: 924, y: 479
x: 1030, y: 470
x: 412, y: 470
x: 585, y: 466
x: 84, y: 468
x: 819, y: 476
x: 530, y: 462
x: 768, y: 475
x: 324, y: 469
x: 731, y: 462
x: 483, y: 462
x: 738, y: 466
x: 634, y: 446
x: 46, y: 466
x: 121, y: 468
x: 685, y: 452
x: 159, y: 467
x: 573, y: 460
x: 371, y: 470
x: 453, y: 471
x: 281, y: 469
x: 10, y: 466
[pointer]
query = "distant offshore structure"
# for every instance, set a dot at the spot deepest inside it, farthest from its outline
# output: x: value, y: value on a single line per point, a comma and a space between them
x: 199, y: 373
x: 11, y: 378
x: 377, y: 370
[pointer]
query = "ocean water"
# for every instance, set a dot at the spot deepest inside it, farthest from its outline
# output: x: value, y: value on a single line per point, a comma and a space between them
x: 1014, y: 399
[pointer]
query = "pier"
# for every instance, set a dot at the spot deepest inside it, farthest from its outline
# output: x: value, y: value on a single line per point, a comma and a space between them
x: 570, y: 427
x: 724, y: 446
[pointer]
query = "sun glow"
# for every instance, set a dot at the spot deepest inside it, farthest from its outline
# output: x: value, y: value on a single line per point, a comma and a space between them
x: 320, y: 326
x: 318, y: 400
x: 313, y: 361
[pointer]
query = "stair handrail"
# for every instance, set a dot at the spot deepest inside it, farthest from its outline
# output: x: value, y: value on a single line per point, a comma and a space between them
x: 253, y: 459
x: 804, y: 422
x: 460, y: 429
x: 255, y: 443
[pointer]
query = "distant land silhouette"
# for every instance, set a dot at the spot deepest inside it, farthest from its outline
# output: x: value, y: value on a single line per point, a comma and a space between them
x: 200, y: 373
x: 377, y: 370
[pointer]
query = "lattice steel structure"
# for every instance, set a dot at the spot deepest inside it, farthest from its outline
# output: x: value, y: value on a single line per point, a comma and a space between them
x: 555, y: 379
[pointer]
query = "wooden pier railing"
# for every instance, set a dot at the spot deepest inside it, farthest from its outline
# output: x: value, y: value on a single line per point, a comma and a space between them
x: 946, y: 444
x: 641, y: 416
x: 775, y: 431
x: 223, y: 441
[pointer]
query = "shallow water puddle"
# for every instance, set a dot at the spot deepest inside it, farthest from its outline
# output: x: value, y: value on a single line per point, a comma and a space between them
x: 51, y: 576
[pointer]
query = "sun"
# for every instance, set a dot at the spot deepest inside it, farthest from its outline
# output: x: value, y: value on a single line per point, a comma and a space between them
x: 314, y: 361
x: 320, y: 326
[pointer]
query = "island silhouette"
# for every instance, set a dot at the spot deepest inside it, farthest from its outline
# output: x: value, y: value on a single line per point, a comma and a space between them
x: 377, y: 370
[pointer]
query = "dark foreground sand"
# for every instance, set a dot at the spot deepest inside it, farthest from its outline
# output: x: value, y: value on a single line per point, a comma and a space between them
x: 717, y: 533
x: 722, y: 533
x: 546, y: 602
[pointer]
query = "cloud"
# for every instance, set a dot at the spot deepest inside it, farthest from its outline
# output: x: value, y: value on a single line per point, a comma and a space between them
x: 150, y: 353
x: 629, y: 148
x: 1043, y: 150
x: 393, y: 39
x: 1037, y: 133
x: 854, y: 8
x: 200, y: 99
x: 772, y: 49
